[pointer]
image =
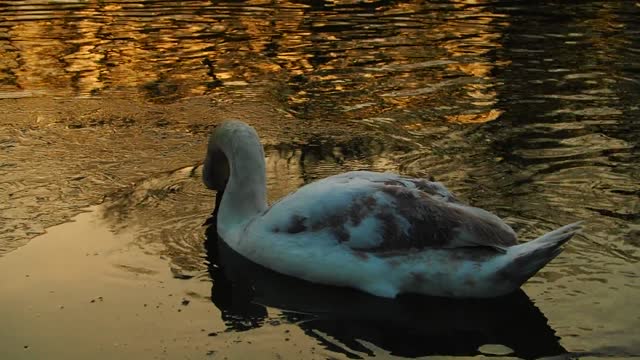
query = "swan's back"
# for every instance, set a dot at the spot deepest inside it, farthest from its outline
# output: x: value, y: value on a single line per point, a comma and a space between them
x: 385, y: 214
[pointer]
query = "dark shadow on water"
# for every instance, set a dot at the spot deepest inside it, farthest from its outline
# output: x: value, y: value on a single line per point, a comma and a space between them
x: 344, y: 320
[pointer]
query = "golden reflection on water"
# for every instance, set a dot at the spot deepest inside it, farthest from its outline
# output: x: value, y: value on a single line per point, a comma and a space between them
x: 475, y: 118
x: 479, y: 37
x: 164, y: 51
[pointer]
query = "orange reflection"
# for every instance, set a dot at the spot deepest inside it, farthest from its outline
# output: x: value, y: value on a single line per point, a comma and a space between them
x: 478, y: 38
x: 476, y: 118
x: 309, y: 56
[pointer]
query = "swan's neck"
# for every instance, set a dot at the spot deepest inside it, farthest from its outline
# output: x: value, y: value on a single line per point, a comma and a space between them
x: 245, y: 195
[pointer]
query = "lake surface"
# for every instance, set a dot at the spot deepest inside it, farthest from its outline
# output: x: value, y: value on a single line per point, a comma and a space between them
x: 527, y: 109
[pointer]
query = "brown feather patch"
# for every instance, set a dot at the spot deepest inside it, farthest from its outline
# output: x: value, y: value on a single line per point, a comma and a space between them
x: 296, y: 224
x: 433, y: 223
x: 411, y: 215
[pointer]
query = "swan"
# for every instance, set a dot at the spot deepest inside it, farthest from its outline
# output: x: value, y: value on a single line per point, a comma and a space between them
x: 381, y: 233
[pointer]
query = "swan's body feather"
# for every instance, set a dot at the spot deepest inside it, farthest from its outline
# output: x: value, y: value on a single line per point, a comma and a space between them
x: 382, y: 233
x: 385, y: 213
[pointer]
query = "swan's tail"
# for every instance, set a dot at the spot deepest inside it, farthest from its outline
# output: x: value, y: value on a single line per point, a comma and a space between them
x: 524, y: 260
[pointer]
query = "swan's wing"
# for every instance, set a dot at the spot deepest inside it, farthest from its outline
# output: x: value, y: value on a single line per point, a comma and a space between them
x: 381, y: 212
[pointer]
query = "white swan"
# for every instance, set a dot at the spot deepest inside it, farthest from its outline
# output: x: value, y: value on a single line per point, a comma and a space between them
x: 381, y: 233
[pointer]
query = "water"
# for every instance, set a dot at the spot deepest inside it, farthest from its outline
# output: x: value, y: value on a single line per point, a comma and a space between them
x: 528, y: 110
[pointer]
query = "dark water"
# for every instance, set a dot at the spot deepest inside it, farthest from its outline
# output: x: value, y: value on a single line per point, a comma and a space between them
x: 527, y: 109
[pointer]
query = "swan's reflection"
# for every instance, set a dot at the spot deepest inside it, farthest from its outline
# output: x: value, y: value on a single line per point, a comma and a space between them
x: 408, y: 326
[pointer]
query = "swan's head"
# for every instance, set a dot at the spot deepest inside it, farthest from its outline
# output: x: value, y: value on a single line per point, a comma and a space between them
x: 233, y: 145
x: 215, y: 170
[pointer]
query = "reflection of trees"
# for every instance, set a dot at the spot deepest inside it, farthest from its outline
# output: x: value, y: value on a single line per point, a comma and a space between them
x: 568, y: 133
x: 320, y: 157
x: 315, y: 54
x: 37, y: 65
x: 291, y: 166
x: 560, y: 99
x: 474, y: 44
